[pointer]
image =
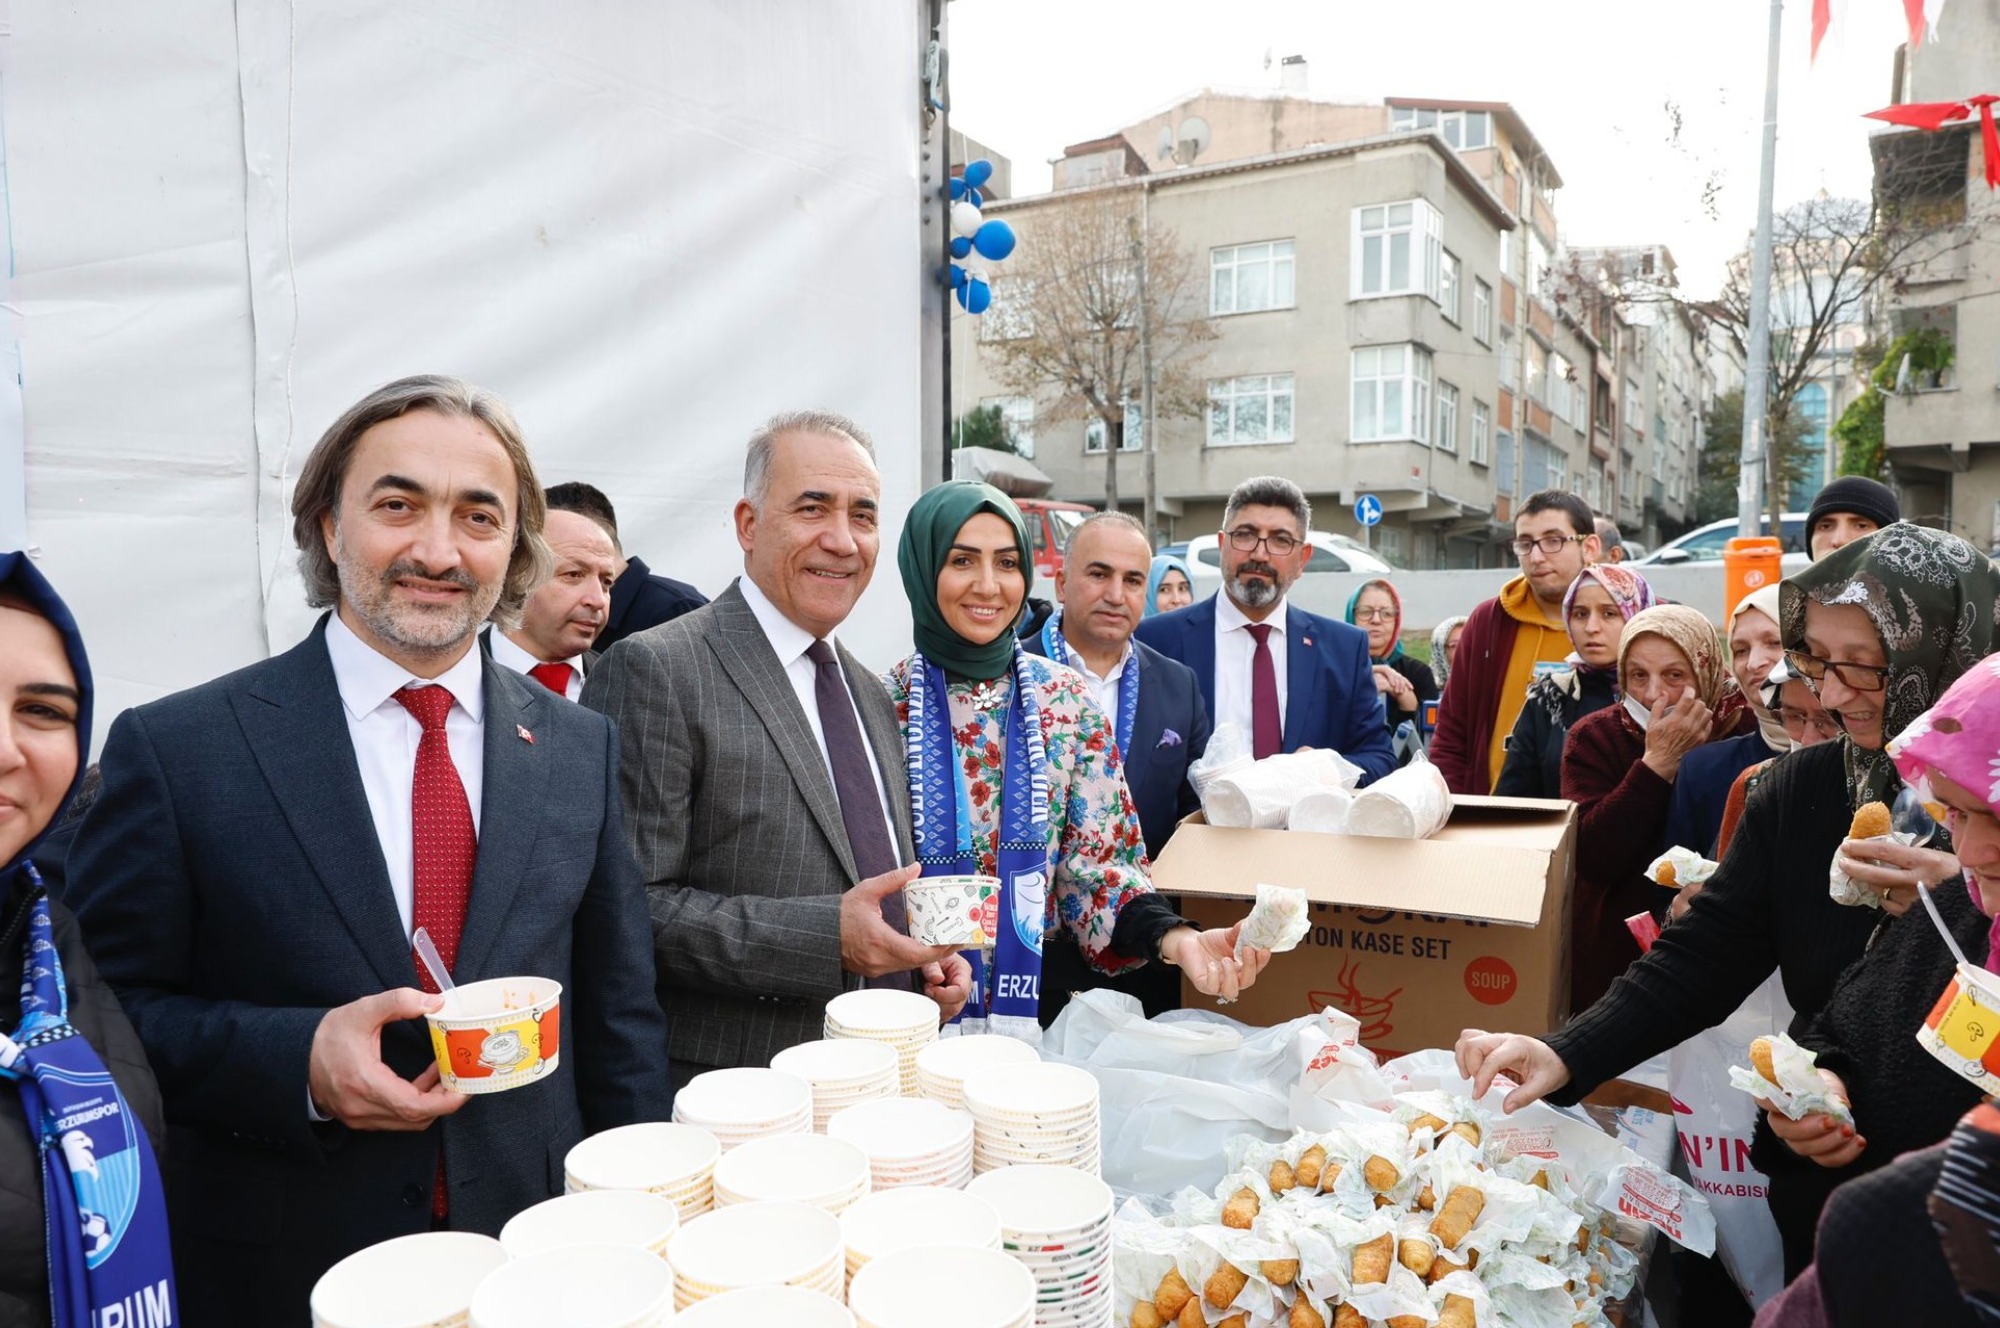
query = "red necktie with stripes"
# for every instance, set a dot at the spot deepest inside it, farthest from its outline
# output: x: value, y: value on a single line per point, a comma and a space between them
x: 555, y: 677
x: 445, y: 849
x: 1267, y: 728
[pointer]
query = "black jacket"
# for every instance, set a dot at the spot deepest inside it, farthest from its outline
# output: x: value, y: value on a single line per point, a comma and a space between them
x: 640, y: 598
x: 1422, y: 681
x: 1533, y: 768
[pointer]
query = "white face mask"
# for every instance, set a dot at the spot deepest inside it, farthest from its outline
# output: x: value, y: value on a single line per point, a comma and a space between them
x: 1640, y: 715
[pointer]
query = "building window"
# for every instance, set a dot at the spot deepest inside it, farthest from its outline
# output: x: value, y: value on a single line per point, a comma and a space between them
x: 1448, y: 286
x: 1447, y: 431
x: 1392, y: 393
x: 1537, y: 374
x: 1482, y: 312
x: 1539, y: 259
x: 1399, y: 247
x: 1594, y: 490
x: 1503, y: 470
x: 1245, y: 278
x: 1389, y: 543
x: 1482, y: 432
x: 1133, y: 440
x: 1011, y: 315
x: 1017, y: 416
x: 1461, y: 129
x: 1561, y: 393
x: 1248, y: 410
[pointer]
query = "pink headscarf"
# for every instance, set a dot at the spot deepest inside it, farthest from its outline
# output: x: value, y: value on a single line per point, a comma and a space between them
x: 1959, y: 737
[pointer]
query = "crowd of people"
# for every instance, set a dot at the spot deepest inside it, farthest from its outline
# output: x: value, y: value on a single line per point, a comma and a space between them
x: 699, y: 817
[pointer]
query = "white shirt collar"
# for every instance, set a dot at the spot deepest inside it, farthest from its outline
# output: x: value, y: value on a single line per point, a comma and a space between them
x: 788, y: 640
x: 1229, y: 618
x: 1076, y: 660
x: 367, y: 678
x: 507, y: 651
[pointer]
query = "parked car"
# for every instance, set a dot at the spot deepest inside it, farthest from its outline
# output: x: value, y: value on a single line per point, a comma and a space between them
x: 1706, y: 544
x: 1331, y: 553
x: 1050, y: 524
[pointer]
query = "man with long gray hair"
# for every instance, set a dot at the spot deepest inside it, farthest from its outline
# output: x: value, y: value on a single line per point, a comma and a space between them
x: 1288, y: 678
x: 763, y: 772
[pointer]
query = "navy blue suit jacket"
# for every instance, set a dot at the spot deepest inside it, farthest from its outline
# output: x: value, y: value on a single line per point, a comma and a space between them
x: 1330, y: 698
x: 1169, y: 733
x: 232, y: 888
x: 642, y: 598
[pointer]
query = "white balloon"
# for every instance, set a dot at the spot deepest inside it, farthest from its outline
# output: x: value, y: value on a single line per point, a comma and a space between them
x: 965, y: 219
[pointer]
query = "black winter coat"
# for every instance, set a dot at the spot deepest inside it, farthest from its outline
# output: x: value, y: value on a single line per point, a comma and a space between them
x: 1533, y: 768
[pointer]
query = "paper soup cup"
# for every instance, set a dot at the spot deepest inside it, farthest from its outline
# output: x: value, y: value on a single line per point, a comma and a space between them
x: 1963, y: 1028
x: 953, y: 910
x: 498, y: 1034
x: 586, y: 1286
x: 421, y: 1281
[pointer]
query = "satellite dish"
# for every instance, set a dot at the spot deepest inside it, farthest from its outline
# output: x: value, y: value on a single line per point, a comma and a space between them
x: 1166, y: 149
x: 1194, y: 138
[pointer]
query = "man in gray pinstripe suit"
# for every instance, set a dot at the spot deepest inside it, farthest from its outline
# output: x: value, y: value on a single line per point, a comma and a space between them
x: 763, y: 770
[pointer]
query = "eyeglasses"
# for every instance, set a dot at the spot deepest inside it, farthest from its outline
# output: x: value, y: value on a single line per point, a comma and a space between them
x: 1374, y: 615
x: 1860, y: 677
x: 1797, y: 722
x: 1245, y: 540
x: 1549, y: 544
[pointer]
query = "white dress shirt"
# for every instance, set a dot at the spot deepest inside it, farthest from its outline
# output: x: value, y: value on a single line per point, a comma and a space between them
x: 1234, y: 649
x: 1103, y: 690
x: 385, y: 738
x: 789, y: 642
x: 506, y: 651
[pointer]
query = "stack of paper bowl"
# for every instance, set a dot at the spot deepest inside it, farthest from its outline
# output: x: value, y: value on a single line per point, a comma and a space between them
x: 630, y: 1219
x: 842, y: 1072
x: 798, y: 1168
x: 757, y: 1244
x: 585, y: 1286
x: 421, y: 1281
x: 676, y: 1162
x: 943, y: 1066
x: 745, y: 1103
x: 766, y: 1307
x: 903, y: 1019
x: 909, y: 1141
x: 1041, y: 1113
x: 961, y: 1287
x: 916, y: 1217
x: 1057, y: 1222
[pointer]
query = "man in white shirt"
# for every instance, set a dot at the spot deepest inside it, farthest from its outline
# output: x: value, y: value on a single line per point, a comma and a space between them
x: 265, y: 847
x: 564, y: 613
x: 764, y: 777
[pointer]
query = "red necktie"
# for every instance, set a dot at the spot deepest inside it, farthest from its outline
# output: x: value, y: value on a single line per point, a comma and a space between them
x: 555, y: 677
x: 445, y: 848
x: 1267, y: 730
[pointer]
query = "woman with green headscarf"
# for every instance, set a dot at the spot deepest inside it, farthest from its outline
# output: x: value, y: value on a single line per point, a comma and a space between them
x: 1880, y: 628
x: 1015, y: 773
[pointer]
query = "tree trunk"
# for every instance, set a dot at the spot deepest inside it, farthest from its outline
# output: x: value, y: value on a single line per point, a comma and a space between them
x: 1114, y: 440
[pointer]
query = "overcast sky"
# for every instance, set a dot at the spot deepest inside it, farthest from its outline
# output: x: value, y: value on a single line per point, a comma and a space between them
x: 1649, y: 110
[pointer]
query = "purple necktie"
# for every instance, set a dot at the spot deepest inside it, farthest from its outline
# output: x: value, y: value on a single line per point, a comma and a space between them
x: 1267, y: 730
x: 854, y: 784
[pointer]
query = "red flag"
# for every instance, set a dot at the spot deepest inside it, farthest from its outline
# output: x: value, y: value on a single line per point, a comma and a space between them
x: 1913, y: 12
x: 1822, y: 18
x: 1932, y: 116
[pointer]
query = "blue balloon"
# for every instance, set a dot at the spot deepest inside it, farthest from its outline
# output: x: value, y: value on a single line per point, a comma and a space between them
x: 994, y: 239
x: 960, y: 246
x: 976, y: 296
x: 974, y: 197
x: 959, y: 276
x: 978, y: 172
x: 958, y: 188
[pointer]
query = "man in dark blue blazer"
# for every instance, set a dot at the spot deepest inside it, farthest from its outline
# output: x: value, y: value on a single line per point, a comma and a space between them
x: 1102, y: 594
x: 263, y: 845
x: 1290, y: 678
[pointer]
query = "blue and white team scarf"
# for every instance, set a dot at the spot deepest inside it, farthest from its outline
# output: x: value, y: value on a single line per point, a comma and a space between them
x: 1057, y: 649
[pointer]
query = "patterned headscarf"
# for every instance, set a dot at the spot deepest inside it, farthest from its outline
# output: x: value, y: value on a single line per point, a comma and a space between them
x: 1440, y: 657
x: 1959, y: 738
x: 1628, y: 590
x: 1696, y: 638
x: 1764, y: 601
x: 1395, y: 624
x: 1933, y: 599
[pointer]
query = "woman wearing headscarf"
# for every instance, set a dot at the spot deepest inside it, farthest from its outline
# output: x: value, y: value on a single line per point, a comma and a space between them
x: 1444, y: 645
x: 1168, y: 586
x: 83, y: 1224
x: 1880, y: 628
x: 1694, y: 819
x: 1619, y: 769
x: 1879, y: 1258
x: 1000, y: 738
x: 1403, y: 681
x: 1596, y: 608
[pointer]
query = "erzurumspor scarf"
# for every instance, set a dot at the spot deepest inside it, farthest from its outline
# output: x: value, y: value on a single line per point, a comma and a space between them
x: 928, y: 533
x: 1057, y: 649
x: 1932, y: 598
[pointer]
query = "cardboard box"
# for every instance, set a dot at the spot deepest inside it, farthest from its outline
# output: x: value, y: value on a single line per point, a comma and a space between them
x: 1417, y: 939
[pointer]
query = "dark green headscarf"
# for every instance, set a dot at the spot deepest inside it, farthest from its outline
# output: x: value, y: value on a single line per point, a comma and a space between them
x: 928, y: 533
x: 1933, y: 599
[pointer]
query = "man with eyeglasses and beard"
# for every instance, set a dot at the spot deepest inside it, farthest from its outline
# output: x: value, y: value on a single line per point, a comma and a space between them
x: 1291, y: 679
x: 1511, y: 639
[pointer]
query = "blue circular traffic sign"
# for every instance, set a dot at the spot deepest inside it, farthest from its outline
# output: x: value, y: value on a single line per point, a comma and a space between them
x: 1368, y: 509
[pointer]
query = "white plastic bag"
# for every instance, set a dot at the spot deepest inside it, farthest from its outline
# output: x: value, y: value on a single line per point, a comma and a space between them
x: 1715, y: 1122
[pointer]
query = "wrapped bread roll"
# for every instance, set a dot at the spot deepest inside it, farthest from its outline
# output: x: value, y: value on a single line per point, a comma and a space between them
x: 1241, y: 1210
x: 1172, y: 1294
x: 1380, y: 1173
x: 1191, y: 1315
x: 1467, y: 1131
x: 1303, y: 1314
x: 1427, y: 1198
x: 1311, y: 1164
x: 1416, y: 1255
x: 1428, y: 1122
x: 1458, y: 1312
x: 1235, y: 1321
x: 1224, y: 1285
x: 1461, y: 1209
x: 1279, y: 1272
x: 1348, y: 1317
x: 1442, y: 1269
x: 1371, y: 1260
x: 1871, y: 821
x: 1760, y: 1059
x: 1409, y: 1321
x: 1144, y: 1315
x: 1282, y: 1176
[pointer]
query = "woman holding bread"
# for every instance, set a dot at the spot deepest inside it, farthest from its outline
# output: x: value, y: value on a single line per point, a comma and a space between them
x: 1880, y: 628
x: 1619, y: 768
x: 1015, y: 773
